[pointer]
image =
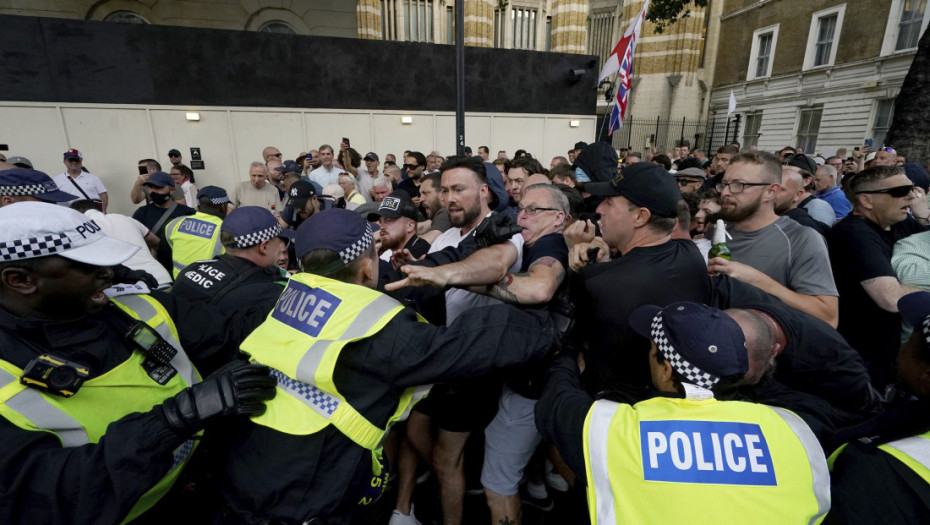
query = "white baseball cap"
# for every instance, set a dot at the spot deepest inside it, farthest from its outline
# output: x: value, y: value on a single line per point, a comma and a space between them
x: 37, y: 229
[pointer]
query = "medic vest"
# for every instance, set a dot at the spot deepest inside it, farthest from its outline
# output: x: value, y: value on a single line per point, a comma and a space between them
x: 193, y: 238
x: 301, y: 339
x: 127, y: 388
x: 668, y: 460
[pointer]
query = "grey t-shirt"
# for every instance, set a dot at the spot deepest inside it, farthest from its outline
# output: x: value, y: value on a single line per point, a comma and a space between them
x: 820, y: 210
x: 794, y: 255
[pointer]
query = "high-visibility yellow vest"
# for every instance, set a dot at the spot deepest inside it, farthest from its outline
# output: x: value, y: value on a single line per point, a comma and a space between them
x: 301, y: 339
x: 83, y: 418
x: 193, y: 238
x: 913, y: 451
x: 668, y: 460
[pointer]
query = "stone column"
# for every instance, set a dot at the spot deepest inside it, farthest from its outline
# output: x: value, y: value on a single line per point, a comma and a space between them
x: 369, y: 19
x: 569, y: 26
x: 479, y: 23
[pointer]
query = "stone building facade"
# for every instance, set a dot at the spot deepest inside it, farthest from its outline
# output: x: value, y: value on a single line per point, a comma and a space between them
x: 820, y: 74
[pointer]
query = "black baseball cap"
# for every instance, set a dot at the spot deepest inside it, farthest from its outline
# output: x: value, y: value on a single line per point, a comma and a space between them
x: 174, y: 153
x: 800, y: 160
x: 397, y: 204
x: 299, y: 193
x: 644, y: 184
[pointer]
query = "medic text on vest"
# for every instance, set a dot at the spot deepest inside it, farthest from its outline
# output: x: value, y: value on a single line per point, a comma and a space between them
x: 203, y: 274
x: 705, y: 452
x: 304, y: 308
x: 197, y: 227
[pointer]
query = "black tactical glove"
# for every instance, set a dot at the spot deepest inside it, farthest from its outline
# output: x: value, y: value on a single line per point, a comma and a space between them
x: 126, y: 275
x: 237, y: 389
x: 496, y: 229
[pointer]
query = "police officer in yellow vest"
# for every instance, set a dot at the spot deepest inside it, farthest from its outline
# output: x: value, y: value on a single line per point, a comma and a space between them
x: 197, y: 237
x: 99, y: 404
x: 350, y: 362
x: 686, y: 455
x: 883, y: 474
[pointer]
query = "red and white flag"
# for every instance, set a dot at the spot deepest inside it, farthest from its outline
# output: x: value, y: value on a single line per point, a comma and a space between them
x: 620, y: 62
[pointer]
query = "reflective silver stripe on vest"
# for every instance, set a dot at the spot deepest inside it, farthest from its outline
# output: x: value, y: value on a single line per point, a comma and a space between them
x: 146, y: 313
x: 418, y: 394
x: 602, y: 413
x: 45, y: 416
x: 818, y: 463
x: 917, y: 448
x: 367, y: 318
x: 178, y: 265
x: 321, y: 402
x: 6, y: 378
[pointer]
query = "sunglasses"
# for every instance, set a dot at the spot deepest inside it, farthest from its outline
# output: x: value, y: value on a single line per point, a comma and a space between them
x: 896, y: 192
x: 684, y: 182
x: 411, y: 166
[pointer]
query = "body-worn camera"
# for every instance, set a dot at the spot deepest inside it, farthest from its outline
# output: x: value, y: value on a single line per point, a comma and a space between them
x: 55, y: 375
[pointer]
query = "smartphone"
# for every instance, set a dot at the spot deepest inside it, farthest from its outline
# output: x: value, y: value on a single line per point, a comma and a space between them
x: 869, y: 142
x: 345, y: 142
x: 143, y: 170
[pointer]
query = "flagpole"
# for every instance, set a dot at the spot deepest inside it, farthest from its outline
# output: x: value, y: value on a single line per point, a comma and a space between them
x: 612, y: 100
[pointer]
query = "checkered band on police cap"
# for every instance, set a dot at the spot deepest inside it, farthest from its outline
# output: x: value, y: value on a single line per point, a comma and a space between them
x: 251, y: 239
x: 29, y: 189
x: 358, y: 247
x: 34, y: 247
x: 681, y: 365
x: 220, y: 200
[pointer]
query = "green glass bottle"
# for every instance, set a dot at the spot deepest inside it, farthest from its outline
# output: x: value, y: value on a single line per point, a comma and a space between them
x: 719, y: 247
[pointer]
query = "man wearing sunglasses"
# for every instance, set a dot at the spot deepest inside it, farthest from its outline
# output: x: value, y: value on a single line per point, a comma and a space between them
x: 861, y: 246
x: 690, y: 180
x: 775, y: 254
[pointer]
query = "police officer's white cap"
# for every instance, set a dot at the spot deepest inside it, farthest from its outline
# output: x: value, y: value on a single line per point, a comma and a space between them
x: 36, y: 229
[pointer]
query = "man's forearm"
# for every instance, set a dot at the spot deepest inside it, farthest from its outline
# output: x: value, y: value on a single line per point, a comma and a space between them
x: 486, y: 266
x: 824, y: 307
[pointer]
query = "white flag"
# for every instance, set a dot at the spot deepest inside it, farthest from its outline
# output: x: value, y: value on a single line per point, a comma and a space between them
x: 731, y: 107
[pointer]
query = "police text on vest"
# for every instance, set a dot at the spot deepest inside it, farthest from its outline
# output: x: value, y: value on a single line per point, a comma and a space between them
x: 304, y: 308
x: 716, y: 452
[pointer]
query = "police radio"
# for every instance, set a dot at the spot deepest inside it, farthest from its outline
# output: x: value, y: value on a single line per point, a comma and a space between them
x: 158, y: 352
x: 54, y: 375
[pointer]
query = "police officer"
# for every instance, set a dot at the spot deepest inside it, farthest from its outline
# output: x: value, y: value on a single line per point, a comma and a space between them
x: 350, y: 362
x: 684, y: 454
x: 21, y: 184
x: 247, y: 274
x: 99, y: 404
x: 883, y: 474
x: 197, y: 237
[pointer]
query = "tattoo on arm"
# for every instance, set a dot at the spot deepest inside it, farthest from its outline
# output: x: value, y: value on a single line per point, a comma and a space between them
x: 553, y: 263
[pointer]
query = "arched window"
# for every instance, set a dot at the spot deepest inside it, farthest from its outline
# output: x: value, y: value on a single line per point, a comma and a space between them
x: 126, y: 17
x: 277, y: 26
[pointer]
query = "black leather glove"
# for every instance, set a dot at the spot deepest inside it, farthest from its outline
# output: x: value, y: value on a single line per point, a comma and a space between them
x: 237, y: 389
x: 496, y: 229
x: 126, y: 275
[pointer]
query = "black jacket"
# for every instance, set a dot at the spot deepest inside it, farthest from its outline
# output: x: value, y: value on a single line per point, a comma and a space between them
x: 276, y: 476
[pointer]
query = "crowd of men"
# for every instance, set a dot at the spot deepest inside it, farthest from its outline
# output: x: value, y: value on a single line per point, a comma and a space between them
x: 335, y: 329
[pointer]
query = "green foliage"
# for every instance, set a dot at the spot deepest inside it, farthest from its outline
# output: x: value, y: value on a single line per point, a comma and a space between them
x: 663, y: 13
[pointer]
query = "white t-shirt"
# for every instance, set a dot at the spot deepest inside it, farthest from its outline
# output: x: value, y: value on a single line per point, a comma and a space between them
x: 458, y: 300
x: 132, y: 231
x: 89, y: 182
x: 190, y: 193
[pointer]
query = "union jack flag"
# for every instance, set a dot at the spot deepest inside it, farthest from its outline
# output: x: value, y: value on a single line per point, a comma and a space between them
x: 620, y: 62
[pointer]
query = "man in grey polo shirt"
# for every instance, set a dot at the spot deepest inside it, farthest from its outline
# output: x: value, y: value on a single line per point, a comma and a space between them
x: 775, y: 254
